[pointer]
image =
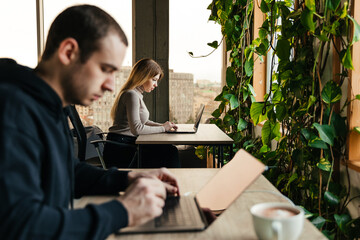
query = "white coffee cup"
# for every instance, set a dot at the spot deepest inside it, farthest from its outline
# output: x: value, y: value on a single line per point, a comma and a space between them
x: 279, y: 221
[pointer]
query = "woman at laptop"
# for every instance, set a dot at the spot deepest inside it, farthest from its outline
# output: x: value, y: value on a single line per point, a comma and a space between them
x: 131, y: 118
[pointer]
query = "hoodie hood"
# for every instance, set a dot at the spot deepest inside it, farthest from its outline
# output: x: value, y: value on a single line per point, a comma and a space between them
x: 26, y: 79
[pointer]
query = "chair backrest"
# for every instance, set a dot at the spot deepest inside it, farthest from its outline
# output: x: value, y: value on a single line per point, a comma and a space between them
x: 78, y: 131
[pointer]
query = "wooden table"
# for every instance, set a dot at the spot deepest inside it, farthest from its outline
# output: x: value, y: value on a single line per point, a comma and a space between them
x: 234, y: 223
x: 207, y: 134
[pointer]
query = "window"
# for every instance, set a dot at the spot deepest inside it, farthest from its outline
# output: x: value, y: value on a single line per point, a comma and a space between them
x: 192, y: 81
x: 18, y: 31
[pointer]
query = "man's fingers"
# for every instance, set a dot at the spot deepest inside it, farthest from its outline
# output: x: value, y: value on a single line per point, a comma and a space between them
x: 171, y: 189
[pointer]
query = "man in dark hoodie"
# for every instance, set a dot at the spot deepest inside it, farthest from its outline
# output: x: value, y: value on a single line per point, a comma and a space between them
x: 38, y: 175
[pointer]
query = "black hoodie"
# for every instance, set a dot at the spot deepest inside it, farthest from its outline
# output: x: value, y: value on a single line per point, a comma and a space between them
x: 38, y: 174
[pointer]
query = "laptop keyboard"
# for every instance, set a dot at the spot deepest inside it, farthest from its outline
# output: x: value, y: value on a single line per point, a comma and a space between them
x: 174, y: 215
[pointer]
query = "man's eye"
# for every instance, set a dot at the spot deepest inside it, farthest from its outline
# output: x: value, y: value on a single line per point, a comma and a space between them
x: 106, y: 69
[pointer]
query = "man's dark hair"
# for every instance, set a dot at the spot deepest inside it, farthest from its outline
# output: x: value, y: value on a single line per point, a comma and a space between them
x: 87, y: 24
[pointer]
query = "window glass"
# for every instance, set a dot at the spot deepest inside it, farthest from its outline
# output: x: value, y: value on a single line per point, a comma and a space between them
x: 18, y: 31
x: 99, y: 112
x: 193, y: 81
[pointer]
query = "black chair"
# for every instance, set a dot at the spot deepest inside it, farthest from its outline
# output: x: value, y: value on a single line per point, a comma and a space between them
x: 79, y: 131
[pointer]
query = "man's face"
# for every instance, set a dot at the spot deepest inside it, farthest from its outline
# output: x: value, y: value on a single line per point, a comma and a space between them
x: 86, y: 82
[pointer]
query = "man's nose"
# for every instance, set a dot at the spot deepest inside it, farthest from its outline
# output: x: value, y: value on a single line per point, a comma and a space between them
x: 109, y: 84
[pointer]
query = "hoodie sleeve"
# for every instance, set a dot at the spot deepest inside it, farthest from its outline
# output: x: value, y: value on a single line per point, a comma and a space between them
x: 24, y: 213
x: 90, y: 180
x: 35, y: 182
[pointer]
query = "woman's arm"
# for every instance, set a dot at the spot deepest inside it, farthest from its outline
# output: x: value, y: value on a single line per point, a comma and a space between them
x: 151, y: 123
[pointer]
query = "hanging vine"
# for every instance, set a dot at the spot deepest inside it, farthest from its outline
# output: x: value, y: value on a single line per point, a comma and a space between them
x: 298, y: 113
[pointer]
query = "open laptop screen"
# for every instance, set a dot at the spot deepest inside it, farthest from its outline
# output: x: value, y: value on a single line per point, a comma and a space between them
x: 230, y: 181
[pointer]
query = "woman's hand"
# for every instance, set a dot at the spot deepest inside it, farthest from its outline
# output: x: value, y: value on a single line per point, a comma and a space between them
x: 169, y: 126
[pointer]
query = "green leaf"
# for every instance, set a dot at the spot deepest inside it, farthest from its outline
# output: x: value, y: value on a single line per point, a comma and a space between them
x: 312, y: 100
x: 229, y: 120
x: 326, y: 132
x: 252, y: 99
x: 357, y: 129
x: 264, y: 149
x: 249, y: 65
x: 318, y: 222
x: 242, y: 124
x: 269, y: 131
x: 216, y: 113
x: 230, y: 77
x: 251, y: 89
x: 280, y: 112
x: 294, y: 14
x: 306, y: 133
x: 292, y: 178
x: 234, y: 103
x: 307, y: 19
x: 331, y: 198
x: 236, y: 17
x: 341, y: 221
x: 263, y: 34
x: 356, y: 36
x: 307, y: 213
x: 283, y: 49
x: 228, y: 96
x: 214, y: 44
x: 344, y: 11
x: 222, y: 15
x: 277, y: 97
x: 310, y: 4
x: 347, y: 60
x: 200, y: 152
x: 333, y: 4
x: 324, y: 165
x: 245, y: 94
x: 256, y: 112
x: 318, y: 143
x: 280, y: 178
x: 229, y: 27
x: 264, y: 7
x: 330, y: 235
x: 322, y: 37
x: 331, y: 92
x: 357, y: 97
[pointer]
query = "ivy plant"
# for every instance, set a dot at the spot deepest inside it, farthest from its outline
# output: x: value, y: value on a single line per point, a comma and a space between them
x: 303, y: 132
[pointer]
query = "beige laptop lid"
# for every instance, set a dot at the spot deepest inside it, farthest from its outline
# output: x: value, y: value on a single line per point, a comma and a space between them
x: 230, y: 181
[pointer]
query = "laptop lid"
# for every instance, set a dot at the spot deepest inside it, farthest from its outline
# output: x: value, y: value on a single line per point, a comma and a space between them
x: 230, y: 181
x: 217, y: 194
x: 198, y: 117
x: 185, y: 128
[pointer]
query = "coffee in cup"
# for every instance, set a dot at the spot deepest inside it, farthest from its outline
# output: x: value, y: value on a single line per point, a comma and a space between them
x: 277, y: 221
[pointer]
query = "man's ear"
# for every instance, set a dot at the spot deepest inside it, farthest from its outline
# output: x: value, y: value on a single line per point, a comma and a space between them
x: 68, y: 50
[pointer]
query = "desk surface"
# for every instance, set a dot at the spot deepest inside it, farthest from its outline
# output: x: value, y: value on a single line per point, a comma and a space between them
x: 207, y: 134
x: 234, y: 223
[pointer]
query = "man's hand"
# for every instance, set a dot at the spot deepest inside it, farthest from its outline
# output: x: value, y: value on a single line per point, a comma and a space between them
x: 163, y: 174
x: 143, y: 200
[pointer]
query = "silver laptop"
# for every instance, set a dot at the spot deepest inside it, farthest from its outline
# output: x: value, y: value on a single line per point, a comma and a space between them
x: 185, y: 213
x: 186, y: 128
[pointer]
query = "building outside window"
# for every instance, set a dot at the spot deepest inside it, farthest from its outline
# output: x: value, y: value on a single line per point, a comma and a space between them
x: 192, y: 81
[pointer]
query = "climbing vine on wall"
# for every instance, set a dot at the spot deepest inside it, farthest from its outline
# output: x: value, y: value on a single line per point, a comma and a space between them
x: 303, y: 131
